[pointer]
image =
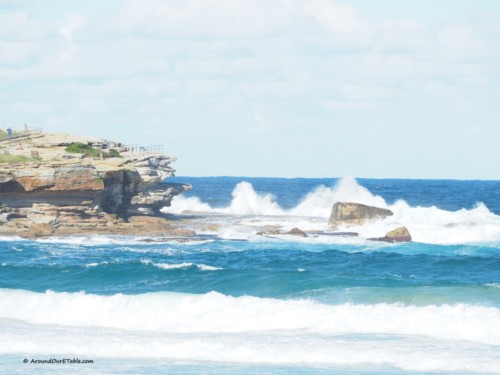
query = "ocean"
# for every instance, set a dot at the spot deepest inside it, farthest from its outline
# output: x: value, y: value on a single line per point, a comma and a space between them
x: 235, y: 302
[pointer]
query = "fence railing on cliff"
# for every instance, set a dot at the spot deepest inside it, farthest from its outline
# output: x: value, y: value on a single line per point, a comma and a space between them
x: 20, y: 134
x: 141, y: 150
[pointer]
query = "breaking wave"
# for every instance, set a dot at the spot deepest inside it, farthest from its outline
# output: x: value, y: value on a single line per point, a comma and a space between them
x: 426, y: 224
x: 218, y: 328
x: 217, y: 313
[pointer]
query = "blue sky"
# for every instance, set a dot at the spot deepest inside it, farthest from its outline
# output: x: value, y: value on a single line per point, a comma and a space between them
x: 293, y: 88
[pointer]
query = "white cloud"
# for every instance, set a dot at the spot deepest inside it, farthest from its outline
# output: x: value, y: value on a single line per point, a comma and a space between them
x: 239, y: 69
x: 209, y: 18
x: 15, y: 53
x: 460, y: 43
x: 344, y: 25
x: 365, y: 93
x: 72, y: 23
x: 407, y: 36
x: 18, y: 25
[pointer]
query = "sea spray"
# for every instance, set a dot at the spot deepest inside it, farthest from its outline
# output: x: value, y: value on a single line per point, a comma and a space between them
x: 426, y: 224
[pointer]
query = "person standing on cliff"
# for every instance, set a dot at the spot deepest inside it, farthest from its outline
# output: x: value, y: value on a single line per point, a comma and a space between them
x: 9, y: 133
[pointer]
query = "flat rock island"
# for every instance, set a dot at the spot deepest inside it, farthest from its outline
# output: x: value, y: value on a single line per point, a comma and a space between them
x: 61, y: 184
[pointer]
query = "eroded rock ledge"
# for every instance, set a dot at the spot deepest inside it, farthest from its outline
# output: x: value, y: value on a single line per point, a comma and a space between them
x: 45, y: 190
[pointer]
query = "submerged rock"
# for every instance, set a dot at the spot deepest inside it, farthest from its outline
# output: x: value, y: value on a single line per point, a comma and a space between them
x: 339, y: 234
x: 212, y: 228
x: 269, y: 230
x: 355, y: 213
x: 401, y: 234
x: 272, y: 230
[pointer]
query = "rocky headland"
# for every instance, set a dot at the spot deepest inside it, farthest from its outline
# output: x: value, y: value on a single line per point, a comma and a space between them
x: 60, y: 184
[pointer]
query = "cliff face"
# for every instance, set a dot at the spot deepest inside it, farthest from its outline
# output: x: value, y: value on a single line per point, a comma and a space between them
x: 53, y: 191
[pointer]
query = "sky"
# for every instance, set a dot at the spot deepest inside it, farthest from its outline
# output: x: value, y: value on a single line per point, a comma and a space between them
x: 276, y: 88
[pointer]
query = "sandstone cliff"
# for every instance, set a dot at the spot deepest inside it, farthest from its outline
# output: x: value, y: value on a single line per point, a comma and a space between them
x: 44, y: 189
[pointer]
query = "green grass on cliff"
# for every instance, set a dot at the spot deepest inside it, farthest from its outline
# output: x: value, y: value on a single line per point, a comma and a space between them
x: 89, y: 151
x: 12, y: 159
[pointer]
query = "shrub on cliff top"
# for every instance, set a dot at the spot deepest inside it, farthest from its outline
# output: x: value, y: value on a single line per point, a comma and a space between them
x: 113, y: 153
x: 83, y: 148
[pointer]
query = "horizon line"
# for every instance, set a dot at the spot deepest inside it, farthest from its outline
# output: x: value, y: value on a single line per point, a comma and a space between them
x: 336, y: 178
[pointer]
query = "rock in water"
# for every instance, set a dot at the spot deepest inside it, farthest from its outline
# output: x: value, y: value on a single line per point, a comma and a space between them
x: 297, y: 232
x: 269, y: 230
x: 400, y: 234
x: 355, y: 213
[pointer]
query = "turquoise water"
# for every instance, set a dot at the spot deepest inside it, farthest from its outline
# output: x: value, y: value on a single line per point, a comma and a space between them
x: 236, y: 302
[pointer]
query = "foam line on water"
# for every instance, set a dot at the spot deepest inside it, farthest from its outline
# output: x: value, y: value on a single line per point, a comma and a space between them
x: 174, y: 266
x: 408, y: 353
x: 217, y: 313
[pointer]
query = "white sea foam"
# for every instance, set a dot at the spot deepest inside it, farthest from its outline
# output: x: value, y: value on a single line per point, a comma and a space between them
x: 204, y: 267
x: 319, y: 202
x: 94, y: 240
x: 426, y: 224
x: 201, y: 267
x: 216, y: 313
x: 95, y: 264
x: 169, y: 266
x: 215, y: 327
x: 11, y: 238
x: 246, y: 201
x: 184, y: 204
x: 103, y: 240
x: 278, y: 348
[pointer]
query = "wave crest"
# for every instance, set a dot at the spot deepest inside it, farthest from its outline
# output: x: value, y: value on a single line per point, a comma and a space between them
x: 426, y: 224
x: 318, y: 203
x: 217, y: 313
